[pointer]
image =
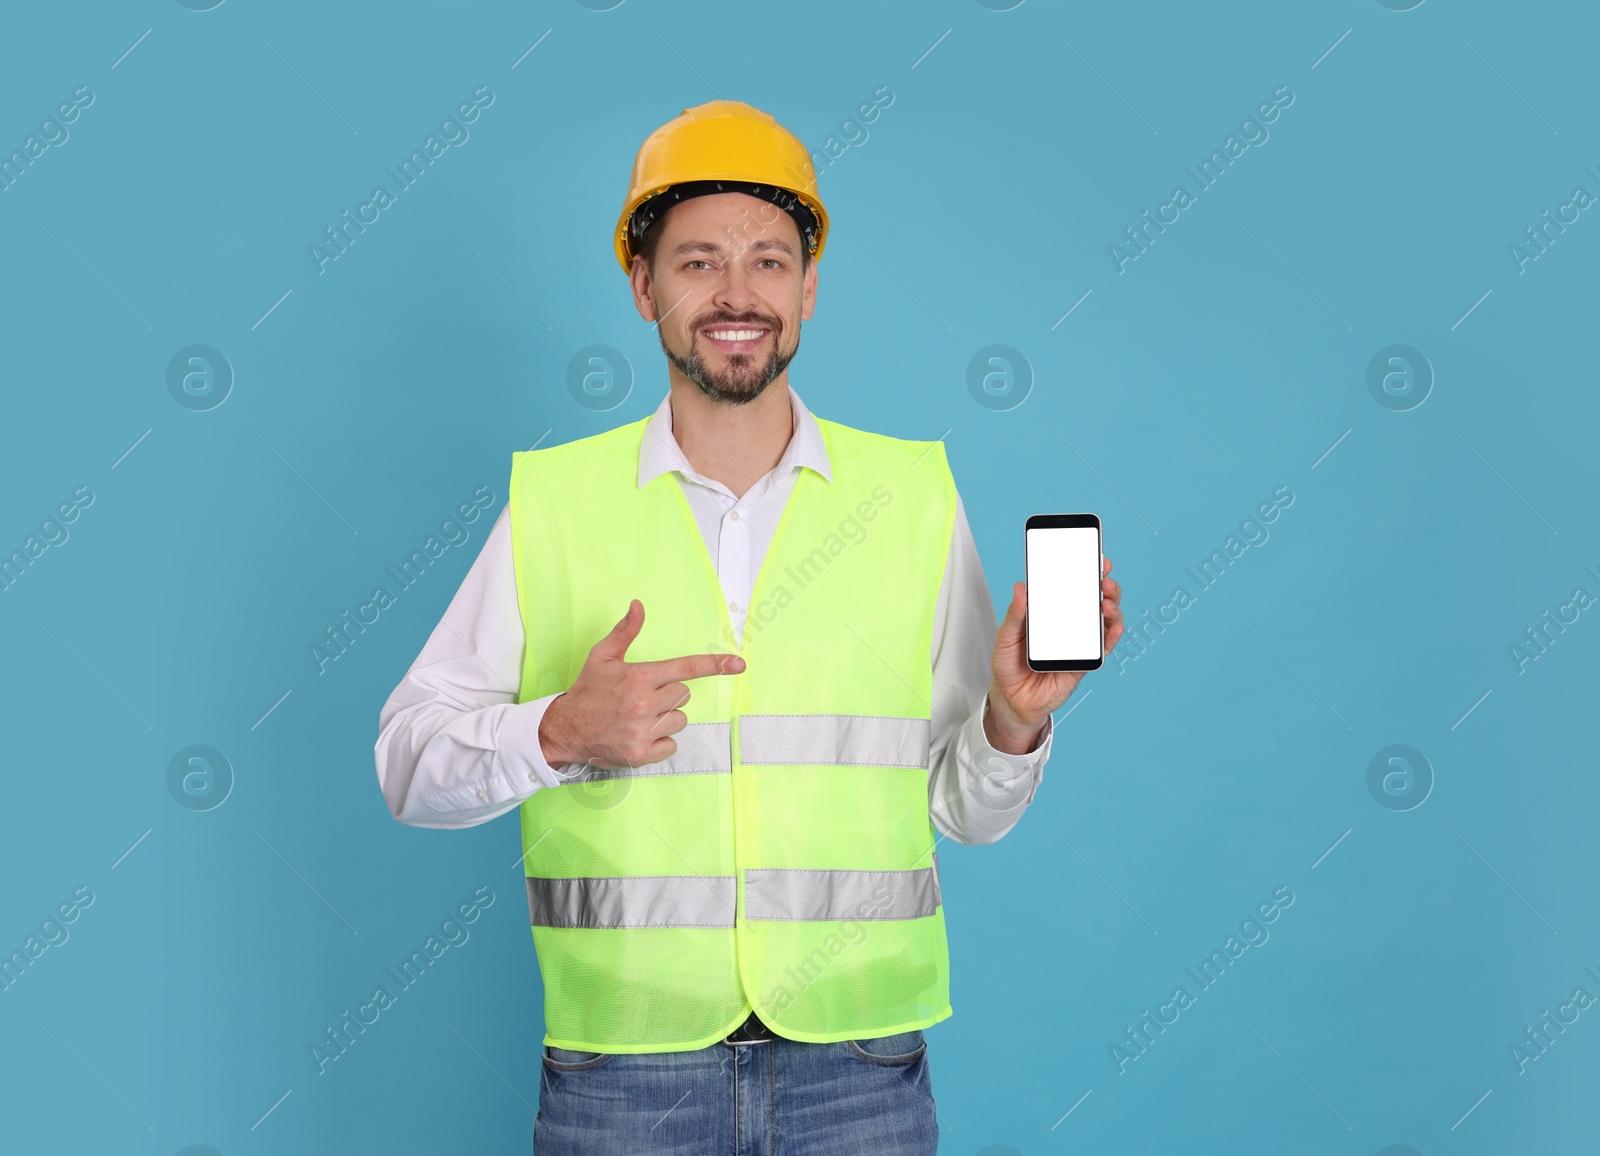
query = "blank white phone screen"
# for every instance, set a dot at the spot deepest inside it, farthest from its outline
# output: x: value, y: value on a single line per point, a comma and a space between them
x: 1064, y: 593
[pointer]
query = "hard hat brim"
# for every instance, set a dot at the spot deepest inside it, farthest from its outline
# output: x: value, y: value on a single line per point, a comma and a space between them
x: 654, y: 206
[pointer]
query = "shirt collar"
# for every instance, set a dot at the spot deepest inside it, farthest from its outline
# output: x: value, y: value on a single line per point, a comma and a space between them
x: 659, y: 451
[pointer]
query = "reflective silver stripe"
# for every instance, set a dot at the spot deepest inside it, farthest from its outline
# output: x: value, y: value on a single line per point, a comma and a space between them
x: 703, y: 749
x: 795, y: 894
x: 632, y: 901
x: 853, y: 740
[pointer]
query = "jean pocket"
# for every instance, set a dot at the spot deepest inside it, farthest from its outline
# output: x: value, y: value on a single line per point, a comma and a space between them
x: 894, y: 1050
x: 568, y: 1060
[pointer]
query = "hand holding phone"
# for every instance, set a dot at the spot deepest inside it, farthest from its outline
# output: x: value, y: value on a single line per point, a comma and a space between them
x: 1060, y: 623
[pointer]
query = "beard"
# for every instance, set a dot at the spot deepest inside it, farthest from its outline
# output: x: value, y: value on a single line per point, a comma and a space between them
x: 745, y: 378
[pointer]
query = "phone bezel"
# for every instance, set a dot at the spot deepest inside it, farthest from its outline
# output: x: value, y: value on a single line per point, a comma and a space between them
x: 1057, y: 522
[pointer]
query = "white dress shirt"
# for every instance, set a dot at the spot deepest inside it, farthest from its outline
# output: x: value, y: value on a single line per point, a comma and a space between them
x: 456, y: 749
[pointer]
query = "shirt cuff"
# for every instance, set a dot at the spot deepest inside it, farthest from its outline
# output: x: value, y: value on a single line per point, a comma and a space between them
x: 519, y: 743
x: 979, y: 793
x: 1007, y: 782
x: 1039, y: 753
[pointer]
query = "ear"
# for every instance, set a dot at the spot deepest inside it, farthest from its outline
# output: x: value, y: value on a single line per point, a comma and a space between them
x: 808, y: 292
x: 642, y: 284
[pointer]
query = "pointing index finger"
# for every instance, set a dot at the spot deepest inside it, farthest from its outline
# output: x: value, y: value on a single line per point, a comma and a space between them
x: 693, y: 666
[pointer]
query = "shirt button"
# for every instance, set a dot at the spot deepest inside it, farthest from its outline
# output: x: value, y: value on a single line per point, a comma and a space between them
x: 734, y: 515
x: 532, y: 778
x: 481, y: 795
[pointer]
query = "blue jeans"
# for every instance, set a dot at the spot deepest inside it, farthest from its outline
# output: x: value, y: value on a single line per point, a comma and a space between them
x: 857, y: 1098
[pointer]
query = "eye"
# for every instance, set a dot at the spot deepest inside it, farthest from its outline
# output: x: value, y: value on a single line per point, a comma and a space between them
x: 696, y: 261
x: 771, y: 262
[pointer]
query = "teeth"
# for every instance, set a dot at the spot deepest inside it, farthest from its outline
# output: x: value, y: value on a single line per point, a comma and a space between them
x: 735, y: 334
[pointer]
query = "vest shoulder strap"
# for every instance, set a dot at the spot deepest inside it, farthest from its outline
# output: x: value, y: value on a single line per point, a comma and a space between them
x: 876, y: 447
x: 582, y: 461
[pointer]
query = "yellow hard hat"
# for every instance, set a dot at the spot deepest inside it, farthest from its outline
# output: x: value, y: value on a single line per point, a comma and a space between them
x: 722, y: 146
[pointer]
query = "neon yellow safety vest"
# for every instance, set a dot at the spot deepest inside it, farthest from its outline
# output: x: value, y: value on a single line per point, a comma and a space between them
x: 782, y: 859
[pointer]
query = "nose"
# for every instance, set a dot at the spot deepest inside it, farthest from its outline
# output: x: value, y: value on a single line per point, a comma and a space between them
x: 734, y: 291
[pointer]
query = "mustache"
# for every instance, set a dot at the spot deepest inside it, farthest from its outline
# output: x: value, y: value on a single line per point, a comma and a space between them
x: 754, y: 320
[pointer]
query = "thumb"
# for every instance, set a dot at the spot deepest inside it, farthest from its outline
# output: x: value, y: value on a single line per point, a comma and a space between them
x: 616, y: 642
x: 1012, y: 625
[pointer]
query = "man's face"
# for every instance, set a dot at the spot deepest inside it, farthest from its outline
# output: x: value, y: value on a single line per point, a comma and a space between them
x: 727, y: 293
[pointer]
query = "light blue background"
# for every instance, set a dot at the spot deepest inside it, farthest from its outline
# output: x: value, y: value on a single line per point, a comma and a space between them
x: 1223, y: 363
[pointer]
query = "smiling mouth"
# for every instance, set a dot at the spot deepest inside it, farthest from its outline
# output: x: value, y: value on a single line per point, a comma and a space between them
x: 736, y: 338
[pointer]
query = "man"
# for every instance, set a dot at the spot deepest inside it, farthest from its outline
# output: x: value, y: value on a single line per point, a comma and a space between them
x: 729, y: 795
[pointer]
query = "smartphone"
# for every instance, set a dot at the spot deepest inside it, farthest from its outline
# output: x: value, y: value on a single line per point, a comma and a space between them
x: 1065, y: 630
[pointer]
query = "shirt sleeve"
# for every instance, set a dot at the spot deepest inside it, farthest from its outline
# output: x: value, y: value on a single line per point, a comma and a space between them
x: 975, y: 793
x: 454, y: 747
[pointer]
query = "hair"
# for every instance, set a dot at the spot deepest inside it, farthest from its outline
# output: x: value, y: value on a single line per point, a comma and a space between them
x: 646, y: 245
